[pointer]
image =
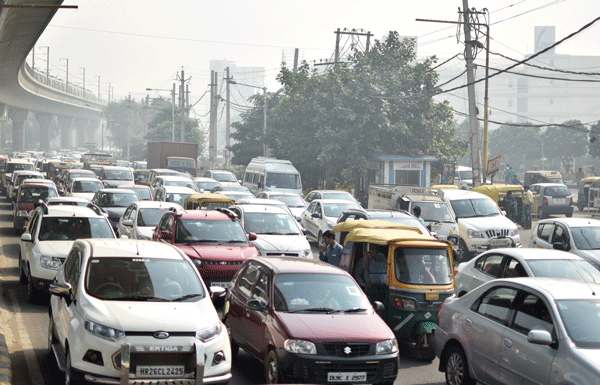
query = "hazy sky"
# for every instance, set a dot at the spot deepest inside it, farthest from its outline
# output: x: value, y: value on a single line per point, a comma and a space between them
x: 139, y: 44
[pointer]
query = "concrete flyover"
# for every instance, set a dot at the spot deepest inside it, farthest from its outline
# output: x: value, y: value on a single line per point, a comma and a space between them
x: 25, y: 93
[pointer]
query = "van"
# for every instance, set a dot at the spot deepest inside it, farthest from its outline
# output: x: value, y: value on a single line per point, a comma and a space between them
x: 542, y: 176
x: 270, y: 174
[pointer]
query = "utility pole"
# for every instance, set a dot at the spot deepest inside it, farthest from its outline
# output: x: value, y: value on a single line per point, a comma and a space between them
x: 337, y: 46
x: 129, y: 108
x: 182, y: 103
x: 296, y: 52
x: 212, y: 133
x: 173, y: 114
x: 473, y: 124
x: 227, y: 115
x: 338, y: 37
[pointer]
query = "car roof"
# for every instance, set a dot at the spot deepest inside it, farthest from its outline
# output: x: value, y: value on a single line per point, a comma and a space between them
x: 334, y: 201
x: 174, y: 177
x: 329, y: 191
x: 85, y: 179
x: 389, y: 212
x: 71, y: 211
x: 283, y: 265
x: 115, y: 191
x: 67, y: 199
x: 165, y: 170
x: 118, y: 248
x: 260, y: 208
x: 269, y: 193
x: 203, y: 179
x: 204, y: 214
x: 260, y: 201
x: 178, y: 189
x: 154, y: 204
x: 556, y: 288
x: 134, y: 186
x: 463, y: 194
x: 534, y: 253
x: 118, y: 168
x: 548, y: 184
x: 80, y: 171
x: 573, y: 222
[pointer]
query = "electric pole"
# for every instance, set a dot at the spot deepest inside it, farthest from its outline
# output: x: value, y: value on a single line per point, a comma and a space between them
x: 212, y: 133
x: 129, y: 127
x: 338, y: 36
x: 473, y: 123
x: 227, y: 116
x: 182, y: 105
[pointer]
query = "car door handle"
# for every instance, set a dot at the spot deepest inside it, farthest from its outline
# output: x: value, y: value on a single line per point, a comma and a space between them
x: 534, y: 242
x: 507, y: 342
x: 468, y: 322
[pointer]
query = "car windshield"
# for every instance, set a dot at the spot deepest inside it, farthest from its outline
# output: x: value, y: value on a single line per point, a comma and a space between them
x: 565, y: 268
x: 235, y: 188
x: 143, y: 176
x: 557, y: 191
x: 224, y: 177
x: 211, y: 232
x: 181, y: 183
x: 289, y: 200
x: 579, y: 315
x: 142, y: 279
x: 72, y: 228
x: 435, y: 212
x: 77, y: 175
x: 149, y: 217
x: 270, y: 223
x: 237, y: 195
x: 183, y: 163
x: 177, y: 198
x: 87, y: 186
x: 422, y: 266
x: 11, y: 167
x: 586, y: 238
x: 277, y: 180
x: 34, y: 194
x: 336, y: 209
x: 207, y: 186
x: 20, y: 178
x: 117, y: 199
x: 480, y: 207
x: 314, y: 293
x: 118, y: 175
x: 84, y: 203
x: 339, y: 195
x: 142, y: 164
x: 464, y: 175
x: 143, y: 194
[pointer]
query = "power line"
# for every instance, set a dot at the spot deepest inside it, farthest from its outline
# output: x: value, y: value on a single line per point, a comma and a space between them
x: 549, y: 69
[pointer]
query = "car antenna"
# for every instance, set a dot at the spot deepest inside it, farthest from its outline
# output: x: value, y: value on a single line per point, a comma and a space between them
x: 586, y: 282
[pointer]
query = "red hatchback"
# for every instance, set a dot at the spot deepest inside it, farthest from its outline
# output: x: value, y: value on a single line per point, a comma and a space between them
x: 214, y: 240
x: 308, y: 322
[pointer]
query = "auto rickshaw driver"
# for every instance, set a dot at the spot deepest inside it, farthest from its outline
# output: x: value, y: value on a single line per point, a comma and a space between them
x: 371, y: 271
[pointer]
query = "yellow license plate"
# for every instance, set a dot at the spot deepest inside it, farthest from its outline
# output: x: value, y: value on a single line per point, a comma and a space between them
x: 432, y: 296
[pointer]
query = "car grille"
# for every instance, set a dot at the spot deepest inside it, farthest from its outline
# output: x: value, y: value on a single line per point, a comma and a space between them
x: 280, y: 254
x: 300, y: 370
x: 497, y: 233
x: 346, y: 350
x: 321, y: 370
x: 205, y: 262
x: 390, y: 370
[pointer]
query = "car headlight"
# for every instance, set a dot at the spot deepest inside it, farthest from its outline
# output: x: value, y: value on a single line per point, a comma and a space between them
x: 210, y: 333
x: 300, y: 347
x: 386, y: 347
x: 104, y: 331
x: 514, y: 232
x: 306, y: 253
x: 197, y: 262
x: 475, y: 234
x: 52, y: 263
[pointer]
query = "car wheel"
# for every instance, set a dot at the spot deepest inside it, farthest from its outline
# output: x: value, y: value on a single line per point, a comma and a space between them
x: 456, y: 369
x: 234, y: 347
x: 320, y: 238
x: 272, y: 368
x: 33, y: 294
x: 541, y: 213
x: 463, y: 251
x: 50, y: 336
x: 22, y: 275
x: 72, y: 376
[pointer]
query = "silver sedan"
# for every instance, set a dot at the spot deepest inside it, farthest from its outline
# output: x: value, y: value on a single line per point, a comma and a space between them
x: 521, y: 331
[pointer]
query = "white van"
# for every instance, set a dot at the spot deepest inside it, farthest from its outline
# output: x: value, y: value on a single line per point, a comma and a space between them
x: 270, y: 174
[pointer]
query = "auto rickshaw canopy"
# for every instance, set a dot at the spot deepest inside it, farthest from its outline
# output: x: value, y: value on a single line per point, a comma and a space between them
x: 494, y: 190
x: 387, y: 236
x: 589, y: 179
x: 444, y: 187
x: 371, y: 224
x: 200, y: 198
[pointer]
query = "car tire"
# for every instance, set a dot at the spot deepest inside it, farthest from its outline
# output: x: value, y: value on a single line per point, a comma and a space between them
x: 72, y: 376
x: 51, y: 338
x: 463, y: 251
x: 33, y: 294
x: 456, y: 369
x: 235, y: 348
x: 541, y: 213
x: 22, y: 275
x: 272, y: 375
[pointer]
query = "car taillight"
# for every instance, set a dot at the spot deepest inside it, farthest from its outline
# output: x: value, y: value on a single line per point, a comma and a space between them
x: 545, y: 202
x: 571, y: 201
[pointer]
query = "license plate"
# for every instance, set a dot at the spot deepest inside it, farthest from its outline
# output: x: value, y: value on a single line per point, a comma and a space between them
x: 155, y: 371
x: 346, y: 377
x: 499, y: 242
x: 432, y: 296
x: 220, y: 284
x: 559, y: 200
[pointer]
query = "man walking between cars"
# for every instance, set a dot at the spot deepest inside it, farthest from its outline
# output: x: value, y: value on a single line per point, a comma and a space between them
x: 528, y: 201
x: 330, y: 251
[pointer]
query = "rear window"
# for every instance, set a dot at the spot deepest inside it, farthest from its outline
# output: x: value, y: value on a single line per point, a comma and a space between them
x: 557, y: 191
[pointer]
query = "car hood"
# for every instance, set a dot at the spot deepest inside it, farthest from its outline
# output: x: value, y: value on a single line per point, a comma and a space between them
x: 486, y: 223
x: 151, y: 316
x: 55, y: 248
x: 356, y: 327
x: 281, y: 243
x: 115, y: 212
x: 88, y: 196
x: 219, y: 252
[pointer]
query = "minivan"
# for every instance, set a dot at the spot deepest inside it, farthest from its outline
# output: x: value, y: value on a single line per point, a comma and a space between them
x: 270, y: 174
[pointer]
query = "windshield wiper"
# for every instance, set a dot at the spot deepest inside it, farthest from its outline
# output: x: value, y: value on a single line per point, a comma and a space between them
x: 188, y: 296
x: 232, y: 241
x: 198, y: 241
x: 327, y: 310
x: 140, y: 298
x: 355, y: 310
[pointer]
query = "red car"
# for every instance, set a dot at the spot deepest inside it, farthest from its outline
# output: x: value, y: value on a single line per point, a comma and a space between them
x: 308, y: 322
x: 214, y: 240
x: 25, y: 198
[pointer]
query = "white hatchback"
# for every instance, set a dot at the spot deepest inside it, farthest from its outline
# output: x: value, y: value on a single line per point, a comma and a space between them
x: 322, y: 214
x: 131, y: 311
x: 142, y: 217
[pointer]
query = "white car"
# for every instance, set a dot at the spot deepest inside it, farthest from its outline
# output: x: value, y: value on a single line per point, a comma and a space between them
x: 522, y: 262
x: 321, y: 215
x: 48, y: 238
x: 481, y: 224
x: 329, y: 194
x: 580, y: 236
x: 131, y: 311
x: 295, y: 202
x: 278, y: 234
x: 84, y: 188
x: 140, y: 218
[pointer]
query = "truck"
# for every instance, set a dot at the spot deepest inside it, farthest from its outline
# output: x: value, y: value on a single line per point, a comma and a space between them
x: 178, y: 156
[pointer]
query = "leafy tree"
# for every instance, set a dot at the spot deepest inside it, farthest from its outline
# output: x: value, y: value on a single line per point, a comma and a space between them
x: 515, y: 143
x: 248, y: 133
x: 594, y: 142
x: 566, y: 141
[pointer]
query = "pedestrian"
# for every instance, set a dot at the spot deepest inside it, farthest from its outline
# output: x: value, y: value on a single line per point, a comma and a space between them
x: 528, y: 202
x: 579, y: 175
x: 330, y: 251
x: 510, y: 176
x: 417, y: 213
x: 510, y: 205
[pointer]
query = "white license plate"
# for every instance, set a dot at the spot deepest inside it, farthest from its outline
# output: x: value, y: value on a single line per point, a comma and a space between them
x: 220, y: 284
x: 347, y: 377
x: 499, y: 242
x: 156, y: 371
x: 559, y: 200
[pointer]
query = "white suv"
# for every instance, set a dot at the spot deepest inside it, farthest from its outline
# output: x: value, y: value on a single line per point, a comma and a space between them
x: 48, y: 238
x: 481, y: 224
x: 132, y: 311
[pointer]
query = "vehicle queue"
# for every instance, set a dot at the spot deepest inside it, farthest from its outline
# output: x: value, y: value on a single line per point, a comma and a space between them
x: 220, y: 254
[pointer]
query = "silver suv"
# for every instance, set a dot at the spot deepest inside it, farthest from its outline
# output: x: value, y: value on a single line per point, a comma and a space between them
x: 552, y: 198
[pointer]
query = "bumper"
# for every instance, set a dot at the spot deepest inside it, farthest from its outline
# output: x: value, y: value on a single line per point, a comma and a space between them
x: 316, y: 368
x: 41, y: 284
x: 478, y: 245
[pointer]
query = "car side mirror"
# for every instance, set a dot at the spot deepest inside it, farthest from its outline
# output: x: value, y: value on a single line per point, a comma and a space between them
x: 252, y: 236
x: 260, y: 185
x: 62, y: 290
x: 255, y: 304
x: 26, y: 237
x: 503, y: 212
x: 539, y: 337
x: 128, y: 222
x: 316, y: 215
x: 217, y: 292
x: 379, y: 308
x: 165, y: 234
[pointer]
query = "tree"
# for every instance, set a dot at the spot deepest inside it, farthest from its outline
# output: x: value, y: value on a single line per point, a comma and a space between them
x: 516, y: 143
x: 248, y: 133
x: 594, y: 143
x: 566, y: 141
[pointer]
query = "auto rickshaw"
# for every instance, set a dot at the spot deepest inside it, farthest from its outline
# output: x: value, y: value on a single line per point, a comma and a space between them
x: 342, y: 229
x: 584, y: 198
x: 418, y: 278
x: 207, y: 201
x: 498, y: 192
x: 141, y: 177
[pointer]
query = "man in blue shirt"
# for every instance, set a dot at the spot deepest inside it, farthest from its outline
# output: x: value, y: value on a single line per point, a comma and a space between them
x: 330, y: 251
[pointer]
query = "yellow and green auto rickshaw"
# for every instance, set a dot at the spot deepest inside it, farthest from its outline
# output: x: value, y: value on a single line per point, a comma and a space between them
x: 585, y: 197
x: 418, y: 278
x: 141, y: 176
x: 342, y: 229
x: 498, y: 192
x: 207, y: 201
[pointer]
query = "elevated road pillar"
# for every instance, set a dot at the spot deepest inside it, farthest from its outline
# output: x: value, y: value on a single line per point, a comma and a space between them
x: 44, y: 120
x: 18, y: 118
x: 66, y: 138
x: 82, y: 131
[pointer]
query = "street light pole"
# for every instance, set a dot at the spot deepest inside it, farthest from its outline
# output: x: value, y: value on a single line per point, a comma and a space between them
x: 172, y: 108
x: 230, y: 81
